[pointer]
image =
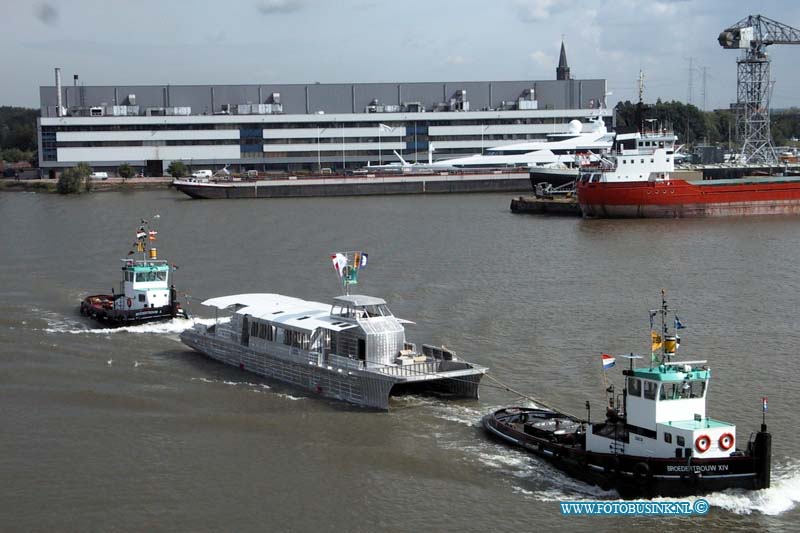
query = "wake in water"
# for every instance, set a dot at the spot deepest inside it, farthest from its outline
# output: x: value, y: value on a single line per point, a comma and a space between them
x: 782, y: 496
x: 254, y: 387
x: 176, y: 325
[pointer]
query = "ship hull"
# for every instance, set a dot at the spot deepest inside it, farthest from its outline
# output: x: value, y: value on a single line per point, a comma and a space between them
x: 641, y: 477
x: 109, y: 316
x: 366, y: 389
x: 358, y: 186
x: 681, y: 198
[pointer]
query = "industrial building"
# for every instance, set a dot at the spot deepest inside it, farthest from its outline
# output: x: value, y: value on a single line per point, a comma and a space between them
x: 297, y: 127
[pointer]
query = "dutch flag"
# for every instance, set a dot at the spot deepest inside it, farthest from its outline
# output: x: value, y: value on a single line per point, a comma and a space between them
x: 608, y: 361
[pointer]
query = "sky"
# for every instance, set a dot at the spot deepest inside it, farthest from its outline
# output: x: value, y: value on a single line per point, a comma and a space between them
x: 180, y: 42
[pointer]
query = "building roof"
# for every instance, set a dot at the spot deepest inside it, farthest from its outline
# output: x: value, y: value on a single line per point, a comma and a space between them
x: 329, y: 98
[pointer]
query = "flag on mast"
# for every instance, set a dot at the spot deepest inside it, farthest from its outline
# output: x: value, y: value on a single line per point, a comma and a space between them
x: 678, y: 324
x: 152, y: 234
x: 764, y: 404
x: 656, y: 341
x: 339, y: 262
x: 608, y: 361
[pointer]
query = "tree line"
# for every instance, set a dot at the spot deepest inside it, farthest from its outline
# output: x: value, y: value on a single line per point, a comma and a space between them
x: 694, y: 126
x: 18, y: 140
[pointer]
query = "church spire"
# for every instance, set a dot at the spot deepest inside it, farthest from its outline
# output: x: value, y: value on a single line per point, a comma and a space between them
x: 562, y: 71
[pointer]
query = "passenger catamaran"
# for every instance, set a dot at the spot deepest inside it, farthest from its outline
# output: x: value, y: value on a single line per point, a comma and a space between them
x: 145, y: 292
x: 657, y: 441
x: 353, y: 350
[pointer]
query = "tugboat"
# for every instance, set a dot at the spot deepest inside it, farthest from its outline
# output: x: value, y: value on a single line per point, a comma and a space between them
x: 145, y: 293
x: 658, y: 441
x: 354, y: 350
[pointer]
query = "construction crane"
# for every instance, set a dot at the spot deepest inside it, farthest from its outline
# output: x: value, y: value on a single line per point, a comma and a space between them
x: 753, y: 87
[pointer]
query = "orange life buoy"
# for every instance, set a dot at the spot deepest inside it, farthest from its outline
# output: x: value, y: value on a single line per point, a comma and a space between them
x: 726, y: 441
x: 129, y: 302
x: 702, y: 443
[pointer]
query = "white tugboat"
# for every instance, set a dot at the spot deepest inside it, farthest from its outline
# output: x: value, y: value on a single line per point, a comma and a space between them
x: 145, y: 293
x: 658, y: 441
x: 354, y: 350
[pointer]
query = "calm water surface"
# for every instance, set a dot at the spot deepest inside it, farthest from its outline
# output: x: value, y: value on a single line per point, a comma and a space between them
x: 128, y: 429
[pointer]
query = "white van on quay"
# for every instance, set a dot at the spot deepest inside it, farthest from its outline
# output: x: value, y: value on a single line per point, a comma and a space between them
x: 99, y: 175
x: 202, y: 174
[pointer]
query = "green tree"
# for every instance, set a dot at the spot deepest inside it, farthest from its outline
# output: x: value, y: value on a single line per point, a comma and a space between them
x: 69, y: 182
x: 177, y: 169
x: 71, y: 179
x: 13, y: 155
x: 18, y: 128
x: 125, y: 171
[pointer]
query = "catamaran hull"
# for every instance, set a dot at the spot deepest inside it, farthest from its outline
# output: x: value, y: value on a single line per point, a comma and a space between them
x: 684, y: 199
x: 645, y: 477
x: 366, y: 389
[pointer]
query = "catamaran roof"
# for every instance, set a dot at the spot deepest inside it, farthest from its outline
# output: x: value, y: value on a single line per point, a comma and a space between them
x: 358, y: 300
x: 287, y: 311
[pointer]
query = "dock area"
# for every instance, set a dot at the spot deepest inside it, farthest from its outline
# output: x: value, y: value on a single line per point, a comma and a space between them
x: 546, y: 206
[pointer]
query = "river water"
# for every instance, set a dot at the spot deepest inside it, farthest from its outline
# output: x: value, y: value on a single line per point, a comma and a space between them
x: 129, y: 430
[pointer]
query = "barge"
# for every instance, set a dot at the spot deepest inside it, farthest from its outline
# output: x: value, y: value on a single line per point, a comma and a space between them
x: 419, y: 182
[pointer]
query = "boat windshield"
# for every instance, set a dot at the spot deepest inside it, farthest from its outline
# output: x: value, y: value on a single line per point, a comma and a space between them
x: 695, y: 388
x: 361, y: 311
x: 376, y: 310
x: 151, y: 276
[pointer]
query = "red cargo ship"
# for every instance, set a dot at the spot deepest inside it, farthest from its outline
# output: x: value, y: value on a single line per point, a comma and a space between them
x: 637, y: 180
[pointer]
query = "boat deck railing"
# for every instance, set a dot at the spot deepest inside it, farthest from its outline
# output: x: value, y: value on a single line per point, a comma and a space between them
x: 410, y: 370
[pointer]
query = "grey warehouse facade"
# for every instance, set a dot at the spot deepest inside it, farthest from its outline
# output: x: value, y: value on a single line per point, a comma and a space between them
x: 300, y: 127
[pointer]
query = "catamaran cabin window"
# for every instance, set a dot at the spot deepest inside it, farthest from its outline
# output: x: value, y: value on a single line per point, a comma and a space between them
x: 668, y: 438
x: 296, y: 339
x: 650, y: 390
x: 681, y: 441
x: 635, y: 387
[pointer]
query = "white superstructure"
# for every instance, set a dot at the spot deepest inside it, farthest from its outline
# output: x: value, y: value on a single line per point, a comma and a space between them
x: 583, y: 141
x: 648, y: 156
